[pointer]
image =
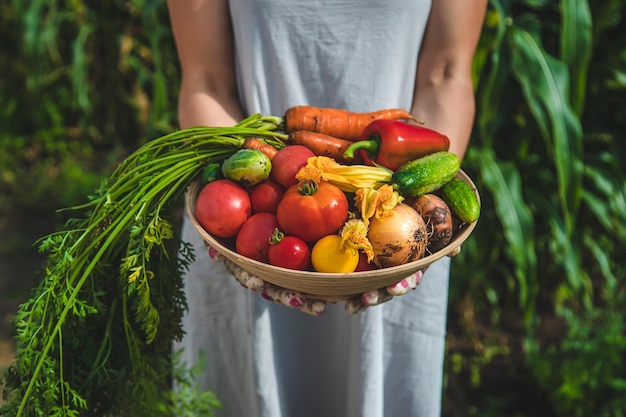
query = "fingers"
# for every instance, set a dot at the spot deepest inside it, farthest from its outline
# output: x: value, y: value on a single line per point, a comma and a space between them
x: 293, y: 299
x: 368, y: 299
x: 282, y: 296
x: 380, y: 296
x: 297, y: 300
x: 354, y: 306
x: 376, y: 297
x: 313, y: 307
x: 407, y: 284
x: 214, y: 254
x: 245, y: 278
x: 288, y: 298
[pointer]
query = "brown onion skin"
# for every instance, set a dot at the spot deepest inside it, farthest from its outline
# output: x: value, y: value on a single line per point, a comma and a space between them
x: 438, y: 218
x: 398, y: 248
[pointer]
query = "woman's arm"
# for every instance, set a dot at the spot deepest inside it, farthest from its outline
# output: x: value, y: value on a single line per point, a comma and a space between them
x: 444, y: 93
x: 204, y: 41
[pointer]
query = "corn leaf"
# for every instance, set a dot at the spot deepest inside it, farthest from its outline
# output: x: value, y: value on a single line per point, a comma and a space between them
x: 605, y: 14
x: 545, y: 84
x: 156, y: 33
x: 80, y: 67
x: 496, y: 79
x: 603, y: 260
x: 576, y: 41
x: 503, y: 181
x: 607, y: 199
x: 565, y: 251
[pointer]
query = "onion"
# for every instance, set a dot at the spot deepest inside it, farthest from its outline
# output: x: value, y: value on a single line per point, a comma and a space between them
x: 398, y: 238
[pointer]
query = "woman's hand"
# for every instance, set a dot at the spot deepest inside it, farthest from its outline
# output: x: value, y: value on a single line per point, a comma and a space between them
x: 382, y: 295
x: 297, y: 300
x: 288, y: 298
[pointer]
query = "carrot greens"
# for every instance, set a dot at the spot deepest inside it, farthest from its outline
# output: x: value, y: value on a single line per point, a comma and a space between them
x: 95, y: 336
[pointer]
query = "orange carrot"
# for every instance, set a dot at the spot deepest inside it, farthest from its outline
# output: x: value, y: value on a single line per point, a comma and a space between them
x: 259, y: 145
x: 340, y: 123
x: 321, y: 144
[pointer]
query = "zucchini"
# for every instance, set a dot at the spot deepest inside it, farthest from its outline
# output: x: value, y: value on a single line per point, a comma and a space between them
x: 461, y: 199
x: 426, y: 174
x: 247, y: 167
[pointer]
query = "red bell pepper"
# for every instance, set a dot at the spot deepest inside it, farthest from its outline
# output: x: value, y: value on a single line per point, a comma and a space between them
x: 393, y: 143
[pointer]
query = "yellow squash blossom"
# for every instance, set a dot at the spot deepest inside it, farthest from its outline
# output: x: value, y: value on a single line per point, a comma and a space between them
x: 354, y: 236
x: 377, y: 203
x: 348, y: 178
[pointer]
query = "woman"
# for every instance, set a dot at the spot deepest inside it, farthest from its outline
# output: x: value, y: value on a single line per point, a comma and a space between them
x: 240, y: 57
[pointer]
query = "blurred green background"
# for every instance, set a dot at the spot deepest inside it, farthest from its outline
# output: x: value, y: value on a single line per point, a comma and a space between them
x: 537, y: 311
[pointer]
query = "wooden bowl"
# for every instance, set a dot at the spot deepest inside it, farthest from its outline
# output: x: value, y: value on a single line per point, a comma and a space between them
x: 326, y: 286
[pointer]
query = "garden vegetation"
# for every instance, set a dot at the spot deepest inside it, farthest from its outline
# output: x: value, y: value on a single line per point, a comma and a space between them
x: 537, y: 323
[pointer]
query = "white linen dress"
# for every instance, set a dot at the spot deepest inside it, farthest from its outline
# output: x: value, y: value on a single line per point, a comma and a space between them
x: 264, y: 359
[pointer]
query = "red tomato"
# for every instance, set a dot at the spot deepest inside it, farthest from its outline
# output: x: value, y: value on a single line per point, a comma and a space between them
x: 311, y: 213
x: 253, y: 240
x: 287, y: 162
x: 289, y: 252
x: 265, y: 196
x: 222, y: 207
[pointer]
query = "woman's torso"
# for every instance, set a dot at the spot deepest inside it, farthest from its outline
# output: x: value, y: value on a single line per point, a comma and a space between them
x: 355, y: 54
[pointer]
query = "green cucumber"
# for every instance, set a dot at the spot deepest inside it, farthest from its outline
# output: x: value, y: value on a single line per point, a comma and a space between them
x: 426, y: 174
x: 461, y: 199
x: 247, y: 167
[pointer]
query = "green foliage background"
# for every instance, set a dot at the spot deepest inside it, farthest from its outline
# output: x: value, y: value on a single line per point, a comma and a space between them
x: 537, y: 322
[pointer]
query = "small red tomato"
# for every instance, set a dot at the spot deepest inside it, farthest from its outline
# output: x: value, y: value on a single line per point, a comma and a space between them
x: 253, y: 240
x: 265, y: 196
x: 287, y: 162
x: 222, y: 207
x: 289, y: 252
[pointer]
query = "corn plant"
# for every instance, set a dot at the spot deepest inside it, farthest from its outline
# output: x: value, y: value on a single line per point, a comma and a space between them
x: 80, y: 80
x: 547, y: 156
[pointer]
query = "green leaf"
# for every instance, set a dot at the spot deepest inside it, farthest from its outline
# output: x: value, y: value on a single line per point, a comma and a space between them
x: 545, y: 84
x: 565, y: 250
x: 502, y: 180
x: 498, y: 74
x: 80, y: 65
x: 576, y: 42
x: 605, y: 195
x: 605, y: 14
x: 603, y: 260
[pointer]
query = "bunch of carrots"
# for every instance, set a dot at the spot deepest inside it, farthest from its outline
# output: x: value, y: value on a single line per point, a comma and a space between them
x: 327, y: 131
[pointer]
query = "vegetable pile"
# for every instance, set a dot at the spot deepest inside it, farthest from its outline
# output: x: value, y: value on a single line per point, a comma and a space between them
x: 336, y: 201
x: 297, y: 191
